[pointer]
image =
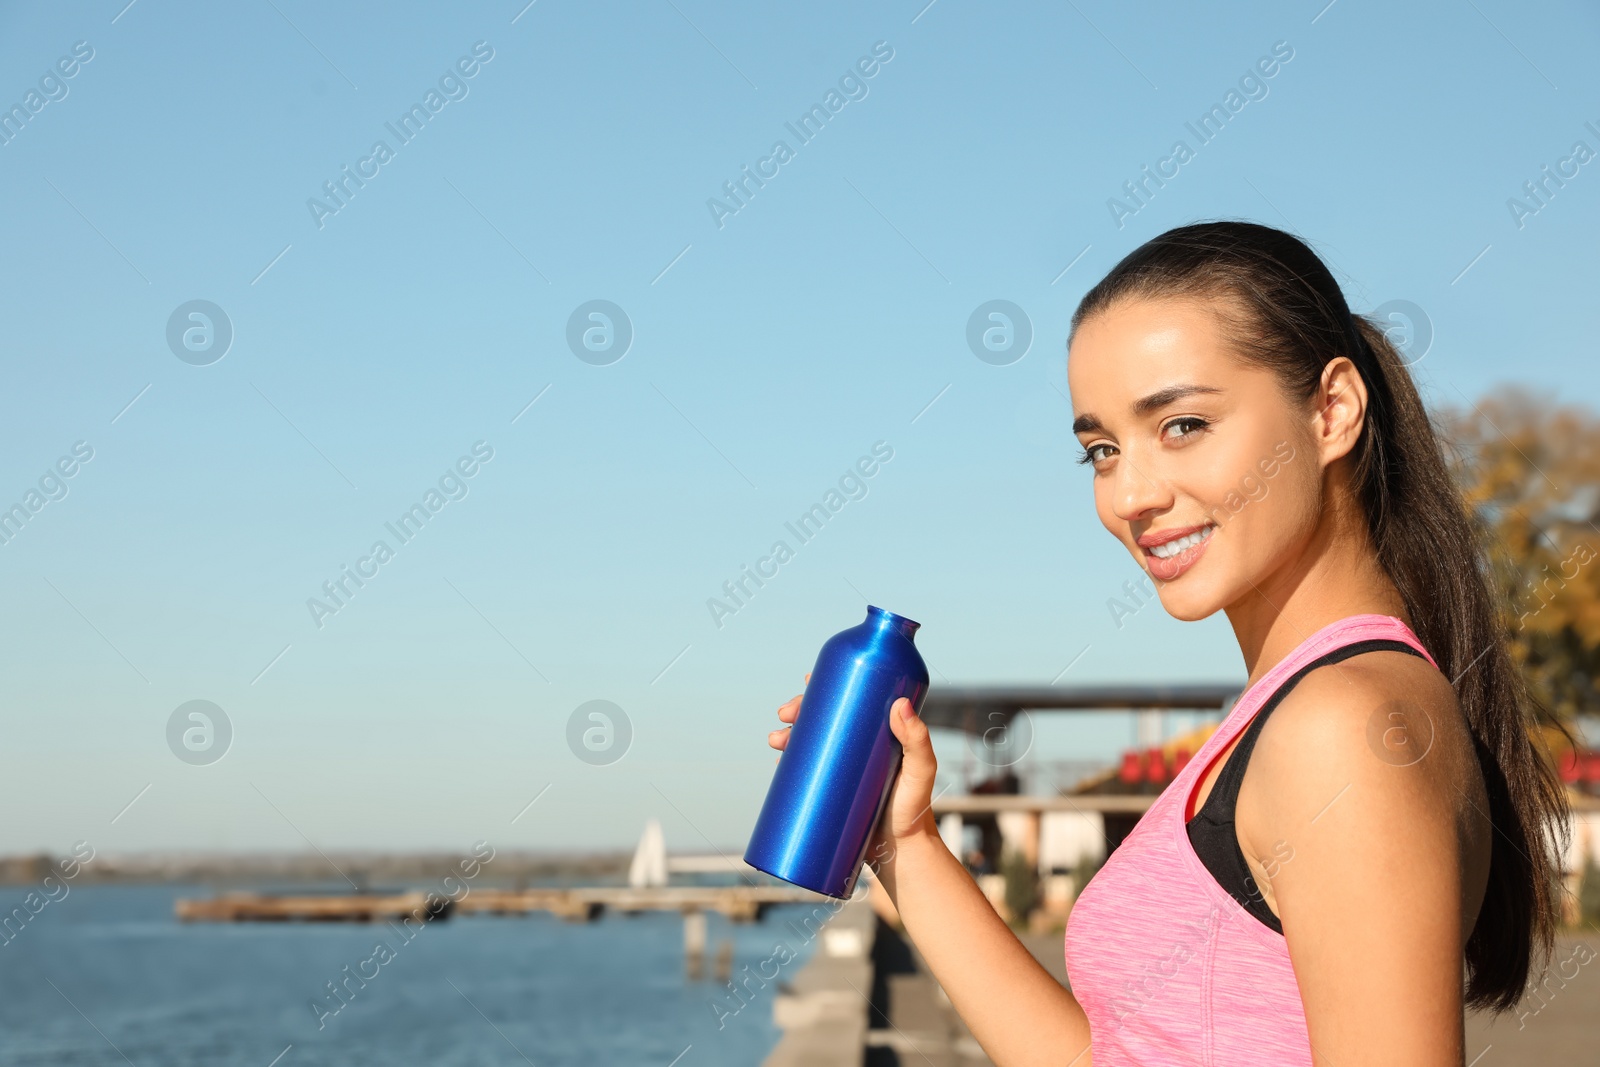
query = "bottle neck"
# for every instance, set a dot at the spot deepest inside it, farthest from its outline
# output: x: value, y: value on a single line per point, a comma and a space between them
x: 888, y: 620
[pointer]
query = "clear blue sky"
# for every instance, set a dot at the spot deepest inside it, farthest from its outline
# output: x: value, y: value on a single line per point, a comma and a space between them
x: 371, y: 351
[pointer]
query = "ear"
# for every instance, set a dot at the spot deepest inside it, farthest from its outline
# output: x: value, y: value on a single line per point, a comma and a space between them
x: 1341, y: 409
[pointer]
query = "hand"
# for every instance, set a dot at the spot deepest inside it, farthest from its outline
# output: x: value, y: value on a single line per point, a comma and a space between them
x: 910, y: 807
x: 786, y: 713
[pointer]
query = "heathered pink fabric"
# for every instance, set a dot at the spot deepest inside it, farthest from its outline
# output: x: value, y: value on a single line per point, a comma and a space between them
x: 1169, y: 968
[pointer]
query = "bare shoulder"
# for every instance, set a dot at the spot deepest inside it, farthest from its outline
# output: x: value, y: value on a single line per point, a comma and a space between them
x: 1361, y: 812
x: 1367, y: 770
x: 1384, y: 720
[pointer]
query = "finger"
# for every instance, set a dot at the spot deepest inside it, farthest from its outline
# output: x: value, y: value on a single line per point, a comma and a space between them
x: 778, y: 739
x: 808, y: 676
x: 918, y: 765
x: 789, y: 711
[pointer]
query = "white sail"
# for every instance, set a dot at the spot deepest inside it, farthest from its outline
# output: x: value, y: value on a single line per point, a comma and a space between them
x: 649, y: 867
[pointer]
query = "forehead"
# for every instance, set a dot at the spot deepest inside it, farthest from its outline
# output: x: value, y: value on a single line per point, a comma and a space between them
x: 1137, y: 346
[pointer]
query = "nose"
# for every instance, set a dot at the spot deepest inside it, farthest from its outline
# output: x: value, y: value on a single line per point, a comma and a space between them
x: 1135, y: 495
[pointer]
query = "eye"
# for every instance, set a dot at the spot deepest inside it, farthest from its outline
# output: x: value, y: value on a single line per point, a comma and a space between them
x: 1186, y: 426
x: 1093, y: 454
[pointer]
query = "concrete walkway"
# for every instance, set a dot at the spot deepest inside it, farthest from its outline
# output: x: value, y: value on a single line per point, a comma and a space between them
x: 1558, y: 1025
x: 908, y: 1020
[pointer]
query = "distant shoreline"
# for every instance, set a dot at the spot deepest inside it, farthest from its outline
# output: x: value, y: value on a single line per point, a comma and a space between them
x: 374, y: 869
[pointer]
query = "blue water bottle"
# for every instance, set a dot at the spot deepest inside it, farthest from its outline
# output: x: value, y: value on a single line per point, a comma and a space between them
x: 841, y: 759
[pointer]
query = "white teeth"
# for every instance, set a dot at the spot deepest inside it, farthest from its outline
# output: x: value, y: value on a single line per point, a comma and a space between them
x: 1172, y: 548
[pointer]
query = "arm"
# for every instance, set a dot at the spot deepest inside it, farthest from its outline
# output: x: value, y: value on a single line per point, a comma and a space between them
x: 1364, y: 805
x: 1017, y: 1011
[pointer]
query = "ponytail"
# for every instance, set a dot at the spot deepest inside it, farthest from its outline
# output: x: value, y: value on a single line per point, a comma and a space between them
x: 1436, y: 556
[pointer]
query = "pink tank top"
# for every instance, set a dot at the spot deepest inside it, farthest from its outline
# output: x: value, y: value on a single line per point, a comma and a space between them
x: 1169, y: 967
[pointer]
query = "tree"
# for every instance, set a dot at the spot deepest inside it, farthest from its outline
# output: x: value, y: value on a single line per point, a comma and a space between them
x: 1589, y: 895
x: 1530, y: 472
x: 1022, y: 884
x: 1087, y: 867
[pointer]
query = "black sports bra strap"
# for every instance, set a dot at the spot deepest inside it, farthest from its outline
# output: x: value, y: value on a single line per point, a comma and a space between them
x: 1225, y: 792
x: 1212, y: 831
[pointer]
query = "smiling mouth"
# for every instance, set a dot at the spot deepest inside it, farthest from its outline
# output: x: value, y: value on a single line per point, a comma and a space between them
x: 1168, y: 549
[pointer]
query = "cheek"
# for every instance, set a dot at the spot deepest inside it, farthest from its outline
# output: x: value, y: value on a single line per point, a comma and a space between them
x: 1102, y: 504
x: 1282, y: 517
x: 1106, y: 512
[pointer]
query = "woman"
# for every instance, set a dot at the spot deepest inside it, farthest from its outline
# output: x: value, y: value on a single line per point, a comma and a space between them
x: 1367, y: 845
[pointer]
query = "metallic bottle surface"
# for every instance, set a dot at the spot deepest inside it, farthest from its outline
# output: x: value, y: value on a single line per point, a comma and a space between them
x: 841, y: 759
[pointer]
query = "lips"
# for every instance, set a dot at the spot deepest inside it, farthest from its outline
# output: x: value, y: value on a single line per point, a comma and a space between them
x: 1171, y: 552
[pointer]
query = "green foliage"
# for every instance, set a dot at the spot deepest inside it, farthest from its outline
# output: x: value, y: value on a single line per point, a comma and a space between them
x: 1022, y: 885
x: 1589, y: 895
x: 1529, y: 470
x: 1083, y: 870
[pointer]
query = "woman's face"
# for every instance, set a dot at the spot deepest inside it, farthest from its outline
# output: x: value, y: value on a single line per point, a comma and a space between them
x: 1203, y: 469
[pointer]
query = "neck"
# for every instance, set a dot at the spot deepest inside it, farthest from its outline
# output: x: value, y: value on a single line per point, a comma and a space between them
x: 1336, y: 574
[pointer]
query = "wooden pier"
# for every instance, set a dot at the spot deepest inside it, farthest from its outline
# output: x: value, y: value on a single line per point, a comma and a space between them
x: 349, y: 908
x: 740, y: 903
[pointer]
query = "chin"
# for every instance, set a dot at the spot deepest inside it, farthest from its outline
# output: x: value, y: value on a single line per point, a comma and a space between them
x: 1187, y: 607
x: 1192, y: 597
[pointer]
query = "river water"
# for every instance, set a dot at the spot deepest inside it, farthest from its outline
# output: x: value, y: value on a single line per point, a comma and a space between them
x: 107, y: 976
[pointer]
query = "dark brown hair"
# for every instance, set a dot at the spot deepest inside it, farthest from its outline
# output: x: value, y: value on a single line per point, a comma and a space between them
x: 1281, y: 309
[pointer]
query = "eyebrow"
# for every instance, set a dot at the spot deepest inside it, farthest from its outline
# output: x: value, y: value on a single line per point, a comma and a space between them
x: 1157, y: 400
